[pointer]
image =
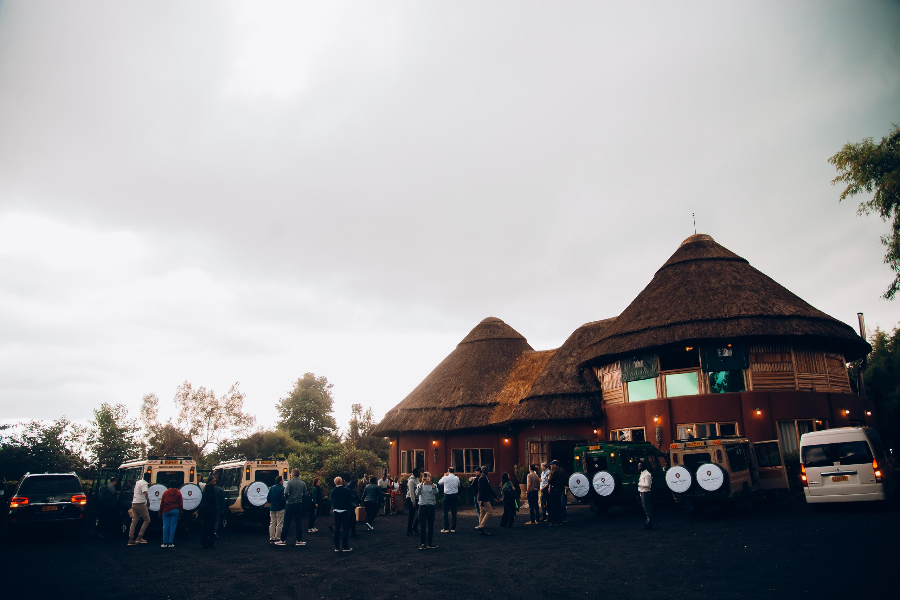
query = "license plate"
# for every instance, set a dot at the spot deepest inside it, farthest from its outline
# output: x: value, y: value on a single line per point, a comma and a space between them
x: 841, y: 478
x: 694, y: 444
x: 49, y: 508
x: 171, y: 462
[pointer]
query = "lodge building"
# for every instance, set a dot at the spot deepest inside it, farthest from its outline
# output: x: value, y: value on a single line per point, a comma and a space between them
x: 711, y: 346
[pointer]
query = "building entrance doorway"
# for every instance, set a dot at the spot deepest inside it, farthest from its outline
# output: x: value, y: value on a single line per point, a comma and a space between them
x: 562, y: 452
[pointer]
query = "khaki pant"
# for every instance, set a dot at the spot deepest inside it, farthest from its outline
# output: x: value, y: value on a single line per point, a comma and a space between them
x: 276, y: 522
x: 486, y: 511
x: 139, y: 512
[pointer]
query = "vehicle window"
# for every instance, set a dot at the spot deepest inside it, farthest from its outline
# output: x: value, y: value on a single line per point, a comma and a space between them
x: 164, y: 477
x: 693, y: 461
x: 846, y: 453
x: 877, y: 446
x: 595, y: 463
x: 50, y: 484
x: 767, y: 454
x: 231, y: 478
x: 267, y: 476
x: 630, y: 461
x: 129, y: 476
x: 737, y: 460
x: 728, y: 429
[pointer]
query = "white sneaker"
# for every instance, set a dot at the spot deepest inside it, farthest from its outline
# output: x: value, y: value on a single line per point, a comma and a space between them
x: 300, y: 544
x: 445, y: 531
x: 370, y: 527
x: 163, y: 545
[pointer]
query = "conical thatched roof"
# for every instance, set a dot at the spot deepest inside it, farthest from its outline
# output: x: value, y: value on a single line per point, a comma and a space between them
x: 705, y: 291
x: 461, y: 392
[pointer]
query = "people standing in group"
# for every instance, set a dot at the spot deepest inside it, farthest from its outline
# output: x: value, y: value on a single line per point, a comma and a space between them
x: 644, y: 483
x: 545, y: 491
x: 275, y: 498
x: 294, y: 491
x: 426, y: 494
x: 450, y: 484
x: 510, y: 501
x: 485, y: 497
x: 342, y: 506
x: 315, y: 500
x: 412, y: 504
x: 372, y: 497
x: 208, y: 513
x: 557, y: 482
x: 532, y: 489
x: 139, y: 504
x: 170, y: 506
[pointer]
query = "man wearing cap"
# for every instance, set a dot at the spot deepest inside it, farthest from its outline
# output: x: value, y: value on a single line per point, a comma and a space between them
x: 450, y: 483
x: 485, y: 496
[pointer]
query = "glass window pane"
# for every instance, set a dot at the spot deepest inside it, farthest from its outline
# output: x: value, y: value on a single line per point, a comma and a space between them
x: 487, y: 459
x: 723, y: 382
x: 685, y: 432
x: 456, y: 456
x: 420, y: 459
x: 788, y: 436
x: 681, y: 384
x: 471, y: 460
x: 705, y: 430
x: 637, y: 435
x: 727, y: 428
x: 643, y: 389
x: 804, y: 427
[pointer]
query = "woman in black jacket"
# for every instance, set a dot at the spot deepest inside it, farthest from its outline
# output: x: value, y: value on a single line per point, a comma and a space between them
x: 315, y: 499
x: 509, y: 501
x: 208, y: 513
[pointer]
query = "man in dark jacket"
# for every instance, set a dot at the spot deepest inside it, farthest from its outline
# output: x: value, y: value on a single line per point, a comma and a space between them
x: 208, y: 513
x: 342, y: 506
x: 485, y: 497
x: 557, y: 487
x: 221, y: 508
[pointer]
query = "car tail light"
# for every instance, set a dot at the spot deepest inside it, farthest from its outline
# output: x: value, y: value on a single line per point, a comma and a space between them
x: 79, y: 499
x: 191, y: 477
x: 878, y: 478
x: 17, y: 501
x: 803, y: 476
x: 718, y: 455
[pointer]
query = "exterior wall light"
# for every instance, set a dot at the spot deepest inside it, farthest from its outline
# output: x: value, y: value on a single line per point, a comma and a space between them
x: 656, y: 419
x: 434, y: 442
x: 758, y: 412
x: 505, y: 440
x: 868, y: 413
x: 846, y: 412
x: 595, y: 432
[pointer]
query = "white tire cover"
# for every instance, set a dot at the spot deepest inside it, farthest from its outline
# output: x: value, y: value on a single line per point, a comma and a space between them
x: 710, y: 477
x: 257, y: 493
x: 579, y: 485
x: 155, y: 492
x: 191, y: 495
x: 678, y: 479
x: 604, y: 483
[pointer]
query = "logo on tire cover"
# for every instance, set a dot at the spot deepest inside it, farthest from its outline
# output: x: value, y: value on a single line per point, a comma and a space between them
x: 708, y: 474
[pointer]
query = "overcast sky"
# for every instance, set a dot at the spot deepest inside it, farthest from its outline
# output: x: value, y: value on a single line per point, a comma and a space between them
x: 220, y: 192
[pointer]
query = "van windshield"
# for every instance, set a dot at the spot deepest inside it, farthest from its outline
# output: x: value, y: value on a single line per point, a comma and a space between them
x: 267, y: 476
x: 846, y: 453
x: 165, y: 477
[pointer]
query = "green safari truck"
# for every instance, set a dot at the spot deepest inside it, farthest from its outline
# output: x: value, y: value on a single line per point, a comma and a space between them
x: 606, y: 474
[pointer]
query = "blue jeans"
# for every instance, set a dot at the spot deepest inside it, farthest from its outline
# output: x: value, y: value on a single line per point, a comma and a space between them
x: 170, y: 523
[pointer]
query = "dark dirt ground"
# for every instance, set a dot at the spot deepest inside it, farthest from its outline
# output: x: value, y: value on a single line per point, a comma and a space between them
x: 783, y: 550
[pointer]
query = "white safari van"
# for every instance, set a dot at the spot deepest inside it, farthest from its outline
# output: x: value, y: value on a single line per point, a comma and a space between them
x: 847, y: 464
x: 246, y: 484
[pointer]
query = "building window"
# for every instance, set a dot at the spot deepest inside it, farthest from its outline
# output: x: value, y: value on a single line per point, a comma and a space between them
x: 681, y: 384
x: 537, y: 453
x: 631, y: 434
x: 724, y: 382
x: 464, y: 460
x: 687, y: 431
x: 642, y: 389
x: 412, y: 459
x: 789, y: 432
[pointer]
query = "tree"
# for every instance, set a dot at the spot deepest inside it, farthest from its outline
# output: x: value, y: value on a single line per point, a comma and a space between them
x: 113, y: 438
x: 42, y: 447
x: 306, y: 413
x: 866, y: 167
x: 208, y: 419
x: 260, y: 444
x: 359, y: 432
x: 168, y: 440
x: 882, y: 381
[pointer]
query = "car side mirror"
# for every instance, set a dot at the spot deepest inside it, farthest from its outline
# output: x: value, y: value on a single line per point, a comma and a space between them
x: 2, y: 493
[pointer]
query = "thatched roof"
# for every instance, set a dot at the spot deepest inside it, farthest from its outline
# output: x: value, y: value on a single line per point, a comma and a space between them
x: 705, y: 291
x: 461, y: 392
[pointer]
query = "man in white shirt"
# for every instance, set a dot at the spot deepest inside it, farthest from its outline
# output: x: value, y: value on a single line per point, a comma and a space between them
x: 644, y: 484
x: 545, y: 490
x: 450, y: 484
x: 139, y: 504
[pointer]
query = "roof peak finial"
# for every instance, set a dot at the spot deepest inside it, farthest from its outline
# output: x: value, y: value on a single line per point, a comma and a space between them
x: 696, y: 238
x: 694, y: 215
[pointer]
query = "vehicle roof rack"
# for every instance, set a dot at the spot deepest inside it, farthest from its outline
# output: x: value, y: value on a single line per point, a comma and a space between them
x: 711, y: 437
x: 154, y: 457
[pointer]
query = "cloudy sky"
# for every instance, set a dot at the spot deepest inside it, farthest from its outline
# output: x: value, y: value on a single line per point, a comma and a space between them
x: 227, y: 191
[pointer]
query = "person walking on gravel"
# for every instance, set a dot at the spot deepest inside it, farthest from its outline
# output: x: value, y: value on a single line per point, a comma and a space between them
x: 532, y: 488
x: 139, y: 511
x: 412, y: 504
x: 275, y: 499
x: 450, y: 483
x: 294, y: 491
x: 485, y: 497
x: 426, y: 493
x: 342, y: 508
x: 644, y: 483
x: 371, y: 501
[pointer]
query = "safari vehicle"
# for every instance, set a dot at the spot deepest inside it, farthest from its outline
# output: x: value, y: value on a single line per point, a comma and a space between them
x: 246, y: 484
x: 162, y: 469
x: 719, y: 471
x: 847, y: 464
x: 606, y: 473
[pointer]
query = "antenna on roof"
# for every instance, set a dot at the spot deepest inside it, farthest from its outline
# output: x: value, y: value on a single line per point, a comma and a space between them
x: 695, y: 222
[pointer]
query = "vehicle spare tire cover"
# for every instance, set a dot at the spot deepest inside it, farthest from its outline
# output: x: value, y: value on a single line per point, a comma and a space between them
x: 678, y: 479
x: 710, y: 477
x: 257, y: 493
x: 604, y: 483
x: 155, y: 492
x: 579, y: 485
x: 191, y: 495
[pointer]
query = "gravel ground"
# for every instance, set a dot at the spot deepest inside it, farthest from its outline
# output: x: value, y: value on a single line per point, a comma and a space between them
x: 779, y: 551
